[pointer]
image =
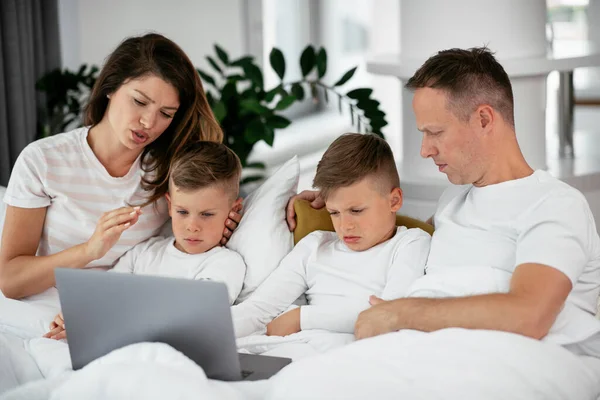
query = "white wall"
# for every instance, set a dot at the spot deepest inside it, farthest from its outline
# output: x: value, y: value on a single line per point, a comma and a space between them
x: 91, y: 29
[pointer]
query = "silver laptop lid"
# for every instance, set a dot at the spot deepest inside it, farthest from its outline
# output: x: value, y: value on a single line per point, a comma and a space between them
x: 106, y: 311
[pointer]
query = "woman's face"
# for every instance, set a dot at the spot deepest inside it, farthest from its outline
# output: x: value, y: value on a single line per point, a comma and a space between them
x: 141, y: 110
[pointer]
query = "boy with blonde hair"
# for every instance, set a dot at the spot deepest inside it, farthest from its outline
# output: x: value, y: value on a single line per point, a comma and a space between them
x: 339, y: 271
x: 203, y: 189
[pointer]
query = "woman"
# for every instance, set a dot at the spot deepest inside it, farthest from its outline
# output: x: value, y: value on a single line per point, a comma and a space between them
x: 70, y: 197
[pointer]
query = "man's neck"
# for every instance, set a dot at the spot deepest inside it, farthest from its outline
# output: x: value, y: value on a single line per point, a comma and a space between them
x: 504, y: 163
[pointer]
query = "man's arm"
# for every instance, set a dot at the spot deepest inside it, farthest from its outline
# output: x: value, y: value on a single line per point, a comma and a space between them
x: 537, y: 294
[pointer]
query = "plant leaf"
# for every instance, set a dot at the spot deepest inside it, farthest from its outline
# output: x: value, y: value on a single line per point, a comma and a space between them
x: 206, y: 77
x: 240, y: 62
x: 254, y: 106
x: 277, y: 62
x: 269, y: 136
x: 222, y: 55
x: 307, y: 60
x: 252, y: 178
x: 258, y: 165
x: 255, y: 131
x: 357, y: 94
x: 321, y: 62
x: 278, y: 122
x: 270, y: 95
x: 254, y: 74
x: 346, y: 77
x: 285, y: 102
x: 220, y: 111
x: 298, y: 91
x: 214, y: 64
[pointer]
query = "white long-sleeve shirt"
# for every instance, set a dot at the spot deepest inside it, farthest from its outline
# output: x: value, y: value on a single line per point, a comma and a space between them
x: 337, y: 281
x: 159, y: 256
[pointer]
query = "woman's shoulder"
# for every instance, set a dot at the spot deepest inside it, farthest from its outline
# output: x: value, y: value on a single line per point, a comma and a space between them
x: 66, y: 141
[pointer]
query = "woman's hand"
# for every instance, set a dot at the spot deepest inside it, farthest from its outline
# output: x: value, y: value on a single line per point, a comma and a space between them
x: 109, y: 229
x: 57, y: 328
x: 232, y: 221
x: 310, y: 195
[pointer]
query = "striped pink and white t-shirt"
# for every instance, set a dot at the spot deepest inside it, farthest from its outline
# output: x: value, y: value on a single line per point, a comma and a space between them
x: 62, y: 173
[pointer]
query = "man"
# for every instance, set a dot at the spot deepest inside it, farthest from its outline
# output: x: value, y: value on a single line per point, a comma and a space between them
x: 514, y: 250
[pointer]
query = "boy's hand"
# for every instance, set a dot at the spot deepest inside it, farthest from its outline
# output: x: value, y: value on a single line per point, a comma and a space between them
x: 57, y: 328
x: 109, y: 229
x: 310, y: 195
x: 232, y: 222
x: 285, y: 324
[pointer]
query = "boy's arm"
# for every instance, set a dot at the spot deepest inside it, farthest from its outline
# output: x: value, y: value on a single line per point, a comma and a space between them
x: 408, y: 264
x: 277, y: 292
x: 227, y: 267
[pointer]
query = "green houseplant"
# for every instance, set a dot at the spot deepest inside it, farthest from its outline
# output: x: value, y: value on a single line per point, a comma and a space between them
x: 64, y: 91
x: 248, y: 112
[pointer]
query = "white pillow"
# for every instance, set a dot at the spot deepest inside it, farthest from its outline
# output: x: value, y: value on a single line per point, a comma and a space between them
x: 262, y: 237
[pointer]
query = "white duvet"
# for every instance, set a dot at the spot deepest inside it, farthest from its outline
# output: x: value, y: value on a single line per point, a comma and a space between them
x: 448, y: 364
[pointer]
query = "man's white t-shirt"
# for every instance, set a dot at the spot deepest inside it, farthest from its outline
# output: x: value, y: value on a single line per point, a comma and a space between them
x: 158, y: 256
x: 337, y: 281
x: 62, y: 173
x: 483, y: 233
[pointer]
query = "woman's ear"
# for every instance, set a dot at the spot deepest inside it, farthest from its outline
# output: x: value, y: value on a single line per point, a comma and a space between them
x: 168, y: 203
x: 395, y: 199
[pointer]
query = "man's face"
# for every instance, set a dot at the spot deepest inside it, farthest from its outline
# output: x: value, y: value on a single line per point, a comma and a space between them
x: 362, y: 216
x: 454, y: 145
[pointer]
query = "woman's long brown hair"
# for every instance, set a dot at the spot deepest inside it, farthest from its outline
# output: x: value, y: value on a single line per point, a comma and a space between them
x: 154, y: 54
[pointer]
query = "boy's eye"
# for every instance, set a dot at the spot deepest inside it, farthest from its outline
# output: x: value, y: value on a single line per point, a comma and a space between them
x: 333, y: 213
x: 207, y: 214
x: 182, y: 212
x: 139, y: 103
x: 356, y: 211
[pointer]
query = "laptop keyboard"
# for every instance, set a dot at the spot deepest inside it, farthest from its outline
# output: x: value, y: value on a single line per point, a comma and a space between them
x: 246, y: 374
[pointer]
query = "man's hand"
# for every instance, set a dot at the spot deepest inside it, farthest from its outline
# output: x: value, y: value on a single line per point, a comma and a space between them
x: 233, y: 220
x: 285, y: 324
x: 57, y: 328
x: 377, y: 320
x: 309, y: 195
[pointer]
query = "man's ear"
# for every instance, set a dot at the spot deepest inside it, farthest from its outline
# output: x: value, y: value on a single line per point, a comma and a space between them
x: 168, y: 203
x: 486, y: 116
x: 396, y: 199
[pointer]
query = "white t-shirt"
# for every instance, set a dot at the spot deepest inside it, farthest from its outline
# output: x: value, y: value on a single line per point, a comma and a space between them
x: 483, y: 233
x: 337, y: 281
x: 62, y: 173
x: 159, y: 256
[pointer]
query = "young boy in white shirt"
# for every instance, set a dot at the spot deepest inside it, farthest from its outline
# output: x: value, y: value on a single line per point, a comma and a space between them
x: 339, y: 271
x: 203, y: 189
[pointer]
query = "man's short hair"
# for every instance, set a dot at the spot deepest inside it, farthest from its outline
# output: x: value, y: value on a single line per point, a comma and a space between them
x: 353, y: 157
x: 205, y: 164
x: 471, y: 78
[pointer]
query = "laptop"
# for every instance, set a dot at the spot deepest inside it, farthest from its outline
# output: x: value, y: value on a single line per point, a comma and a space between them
x: 106, y: 311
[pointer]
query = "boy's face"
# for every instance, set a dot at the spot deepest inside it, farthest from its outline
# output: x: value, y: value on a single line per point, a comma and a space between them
x: 198, y: 217
x: 362, y: 216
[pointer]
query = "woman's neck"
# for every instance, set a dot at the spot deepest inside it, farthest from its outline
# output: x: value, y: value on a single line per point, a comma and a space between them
x: 108, y: 149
